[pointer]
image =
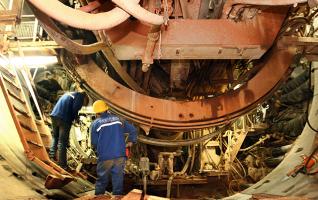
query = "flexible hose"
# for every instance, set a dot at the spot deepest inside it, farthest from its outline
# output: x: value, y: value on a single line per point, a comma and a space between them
x: 177, y: 143
x: 139, y: 12
x: 144, y: 180
x: 80, y: 19
x: 193, y: 155
x: 186, y: 165
x: 169, y: 185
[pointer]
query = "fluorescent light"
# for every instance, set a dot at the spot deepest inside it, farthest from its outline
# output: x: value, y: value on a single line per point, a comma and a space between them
x: 237, y: 86
x: 29, y: 61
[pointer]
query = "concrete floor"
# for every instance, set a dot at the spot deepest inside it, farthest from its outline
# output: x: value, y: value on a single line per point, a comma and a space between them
x: 13, y: 186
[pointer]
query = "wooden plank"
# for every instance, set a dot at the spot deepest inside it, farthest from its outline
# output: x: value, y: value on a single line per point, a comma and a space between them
x: 178, y: 181
x: 137, y: 195
x: 133, y: 195
x: 275, y: 197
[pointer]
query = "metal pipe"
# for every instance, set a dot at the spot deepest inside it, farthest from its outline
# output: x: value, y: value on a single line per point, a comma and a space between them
x: 269, y: 2
x: 229, y: 4
x: 184, y: 169
x: 139, y: 12
x: 169, y: 185
x: 186, y: 165
x: 153, y: 37
x: 79, y: 19
x: 144, y: 179
x: 3, y: 6
x: 176, y: 143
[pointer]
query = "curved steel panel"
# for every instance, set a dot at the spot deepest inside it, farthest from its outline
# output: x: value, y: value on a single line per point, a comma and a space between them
x: 275, y: 183
x: 180, y: 115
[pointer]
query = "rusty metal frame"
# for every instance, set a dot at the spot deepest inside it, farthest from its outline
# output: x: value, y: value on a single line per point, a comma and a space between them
x: 10, y: 17
x: 60, y: 38
x: 230, y: 4
x: 183, y: 115
x: 238, y: 37
x: 212, y: 39
x: 201, y: 39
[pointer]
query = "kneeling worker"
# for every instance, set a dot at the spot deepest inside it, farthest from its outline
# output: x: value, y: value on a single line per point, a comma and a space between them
x: 108, y: 139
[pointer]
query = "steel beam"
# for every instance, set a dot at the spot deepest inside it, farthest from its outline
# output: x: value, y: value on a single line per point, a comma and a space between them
x: 201, y: 39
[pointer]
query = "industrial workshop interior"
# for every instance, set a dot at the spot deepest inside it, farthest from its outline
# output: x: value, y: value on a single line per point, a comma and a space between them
x: 222, y: 93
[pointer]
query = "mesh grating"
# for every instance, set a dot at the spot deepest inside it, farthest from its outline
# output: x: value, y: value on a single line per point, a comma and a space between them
x: 25, y: 30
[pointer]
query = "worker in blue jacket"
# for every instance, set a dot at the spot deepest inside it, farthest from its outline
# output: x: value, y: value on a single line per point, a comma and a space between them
x: 108, y: 139
x: 64, y: 113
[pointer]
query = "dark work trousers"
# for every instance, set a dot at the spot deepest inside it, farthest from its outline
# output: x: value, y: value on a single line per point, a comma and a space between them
x: 61, y: 132
x: 113, y: 168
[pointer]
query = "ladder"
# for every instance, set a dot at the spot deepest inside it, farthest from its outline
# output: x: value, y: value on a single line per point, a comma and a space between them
x: 32, y: 132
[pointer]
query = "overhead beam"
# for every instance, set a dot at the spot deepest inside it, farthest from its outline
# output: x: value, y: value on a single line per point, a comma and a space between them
x: 307, y: 45
x: 201, y: 39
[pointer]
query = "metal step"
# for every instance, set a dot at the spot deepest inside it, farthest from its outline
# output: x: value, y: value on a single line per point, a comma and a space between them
x: 11, y: 82
x: 34, y: 143
x: 29, y: 134
x: 16, y: 97
x: 30, y: 131
x: 43, y: 135
x: 43, y: 128
x: 27, y: 127
x: 25, y: 113
x: 6, y: 72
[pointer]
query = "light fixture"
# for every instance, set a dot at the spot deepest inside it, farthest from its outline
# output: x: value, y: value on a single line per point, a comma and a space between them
x: 29, y: 61
x: 237, y: 86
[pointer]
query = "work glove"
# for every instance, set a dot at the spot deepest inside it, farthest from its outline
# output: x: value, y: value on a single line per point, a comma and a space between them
x: 129, y: 144
x: 76, y: 122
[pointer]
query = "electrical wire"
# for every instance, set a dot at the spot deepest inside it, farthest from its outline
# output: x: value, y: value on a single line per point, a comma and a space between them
x: 260, y: 141
x: 242, y: 167
x: 193, y: 154
x: 307, y: 110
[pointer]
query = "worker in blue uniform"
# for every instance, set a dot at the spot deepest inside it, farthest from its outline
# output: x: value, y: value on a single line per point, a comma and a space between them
x: 108, y: 139
x: 64, y: 113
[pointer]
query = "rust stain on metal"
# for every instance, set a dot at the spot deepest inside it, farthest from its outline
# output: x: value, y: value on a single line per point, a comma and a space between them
x: 184, y: 114
x: 252, y: 37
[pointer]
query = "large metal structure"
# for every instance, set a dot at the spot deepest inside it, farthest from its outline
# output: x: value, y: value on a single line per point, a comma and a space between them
x: 179, y: 31
x: 176, y: 66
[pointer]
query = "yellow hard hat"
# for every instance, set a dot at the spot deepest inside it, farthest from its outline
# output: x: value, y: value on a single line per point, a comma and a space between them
x: 100, y: 106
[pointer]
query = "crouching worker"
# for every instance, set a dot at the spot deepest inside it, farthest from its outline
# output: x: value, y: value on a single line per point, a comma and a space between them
x: 108, y: 139
x: 64, y: 113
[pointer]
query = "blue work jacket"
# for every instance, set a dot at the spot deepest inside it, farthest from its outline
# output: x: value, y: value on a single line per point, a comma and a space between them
x: 67, y: 106
x: 108, y: 136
